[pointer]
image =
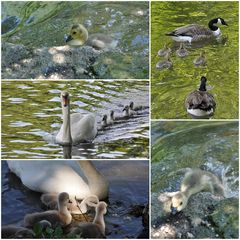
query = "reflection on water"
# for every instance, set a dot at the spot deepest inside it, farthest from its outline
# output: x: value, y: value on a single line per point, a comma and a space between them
x: 32, y: 117
x: 170, y: 87
x: 44, y: 24
x: 209, y: 145
x: 128, y: 187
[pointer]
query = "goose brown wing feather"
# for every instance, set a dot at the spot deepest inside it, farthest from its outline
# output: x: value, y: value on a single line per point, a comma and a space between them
x: 190, y: 30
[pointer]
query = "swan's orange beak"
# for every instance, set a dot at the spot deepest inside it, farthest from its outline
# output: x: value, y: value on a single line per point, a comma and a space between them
x: 65, y: 101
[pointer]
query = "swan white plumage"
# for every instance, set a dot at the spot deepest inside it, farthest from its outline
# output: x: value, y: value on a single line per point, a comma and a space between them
x: 79, y: 179
x: 76, y: 127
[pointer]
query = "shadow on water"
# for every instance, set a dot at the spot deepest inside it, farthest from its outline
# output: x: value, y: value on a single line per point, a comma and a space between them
x: 170, y: 87
x: 32, y: 117
x: 128, y: 187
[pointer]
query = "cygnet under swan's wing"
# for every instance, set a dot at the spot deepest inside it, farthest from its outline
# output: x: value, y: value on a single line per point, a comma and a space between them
x: 51, y: 177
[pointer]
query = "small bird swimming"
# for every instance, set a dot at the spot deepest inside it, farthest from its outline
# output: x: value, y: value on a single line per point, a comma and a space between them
x: 79, y: 36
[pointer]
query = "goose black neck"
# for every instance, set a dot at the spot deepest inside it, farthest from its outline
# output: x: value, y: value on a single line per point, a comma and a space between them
x: 203, y: 86
x: 211, y: 24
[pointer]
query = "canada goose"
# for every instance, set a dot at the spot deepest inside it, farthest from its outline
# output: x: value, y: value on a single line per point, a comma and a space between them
x: 164, y: 51
x: 127, y: 112
x: 165, y: 63
x: 51, y: 201
x: 76, y: 127
x: 135, y: 108
x: 182, y: 51
x: 16, y: 232
x: 79, y: 36
x: 200, y: 60
x: 194, y: 32
x: 79, y: 179
x: 95, y: 229
x: 61, y: 217
x: 193, y: 182
x: 200, y: 103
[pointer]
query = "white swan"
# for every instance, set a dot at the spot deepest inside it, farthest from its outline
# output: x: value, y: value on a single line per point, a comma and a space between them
x: 79, y: 179
x: 76, y: 127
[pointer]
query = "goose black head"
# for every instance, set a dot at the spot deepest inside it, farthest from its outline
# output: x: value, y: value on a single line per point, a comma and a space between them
x: 203, y: 84
x: 222, y: 21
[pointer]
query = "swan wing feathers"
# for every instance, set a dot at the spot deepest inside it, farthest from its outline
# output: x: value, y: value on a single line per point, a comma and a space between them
x: 50, y: 177
x: 190, y: 30
x: 85, y: 129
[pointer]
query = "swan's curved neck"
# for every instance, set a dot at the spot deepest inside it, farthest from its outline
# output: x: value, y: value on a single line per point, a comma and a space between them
x: 97, y: 183
x: 67, y: 138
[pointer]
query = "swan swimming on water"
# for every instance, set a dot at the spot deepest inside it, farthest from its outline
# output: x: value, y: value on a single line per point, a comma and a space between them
x: 76, y: 127
x: 79, y: 179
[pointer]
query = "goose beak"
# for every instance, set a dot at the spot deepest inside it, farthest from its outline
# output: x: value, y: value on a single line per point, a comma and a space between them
x: 173, y: 210
x: 69, y: 38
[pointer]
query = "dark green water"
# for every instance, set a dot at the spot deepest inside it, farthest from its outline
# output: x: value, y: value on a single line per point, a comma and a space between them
x: 170, y: 87
x: 31, y: 117
x: 44, y: 24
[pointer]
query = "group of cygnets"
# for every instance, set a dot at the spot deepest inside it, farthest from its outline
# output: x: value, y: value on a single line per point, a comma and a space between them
x: 194, y: 181
x: 77, y: 127
x: 60, y: 215
x: 199, y: 103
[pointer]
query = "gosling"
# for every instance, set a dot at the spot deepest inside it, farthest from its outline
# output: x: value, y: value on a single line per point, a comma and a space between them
x: 195, y: 181
x: 61, y: 217
x: 96, y: 229
x: 79, y: 36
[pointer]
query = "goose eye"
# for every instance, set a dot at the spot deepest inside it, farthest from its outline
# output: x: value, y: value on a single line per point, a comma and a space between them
x: 180, y: 203
x: 74, y: 33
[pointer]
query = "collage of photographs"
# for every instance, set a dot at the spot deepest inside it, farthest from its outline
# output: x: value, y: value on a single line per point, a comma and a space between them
x: 120, y: 119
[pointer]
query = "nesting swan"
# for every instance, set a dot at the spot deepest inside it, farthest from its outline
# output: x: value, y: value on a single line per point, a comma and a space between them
x: 76, y: 127
x: 79, y: 36
x: 194, y: 32
x: 195, y: 181
x: 79, y: 179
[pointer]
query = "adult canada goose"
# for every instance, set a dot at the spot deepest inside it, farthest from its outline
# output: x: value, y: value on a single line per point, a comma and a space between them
x: 194, y: 32
x: 200, y: 60
x: 200, y: 103
x: 79, y: 179
x: 193, y: 182
x: 167, y: 63
x: 60, y: 217
x: 164, y: 51
x: 182, y: 51
x: 79, y: 36
x: 51, y: 201
x: 95, y: 229
x: 76, y: 127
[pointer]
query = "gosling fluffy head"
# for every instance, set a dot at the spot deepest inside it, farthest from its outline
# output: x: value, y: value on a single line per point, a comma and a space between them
x: 178, y: 202
x: 63, y: 199
x: 101, y: 208
x: 78, y: 35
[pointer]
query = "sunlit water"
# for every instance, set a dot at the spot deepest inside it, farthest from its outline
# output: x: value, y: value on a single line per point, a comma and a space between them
x: 212, y: 146
x: 31, y: 118
x: 170, y: 87
x: 128, y: 186
x: 44, y: 24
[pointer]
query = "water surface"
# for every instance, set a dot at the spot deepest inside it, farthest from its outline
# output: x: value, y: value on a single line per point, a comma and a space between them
x: 128, y: 187
x: 31, y: 118
x: 170, y: 87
